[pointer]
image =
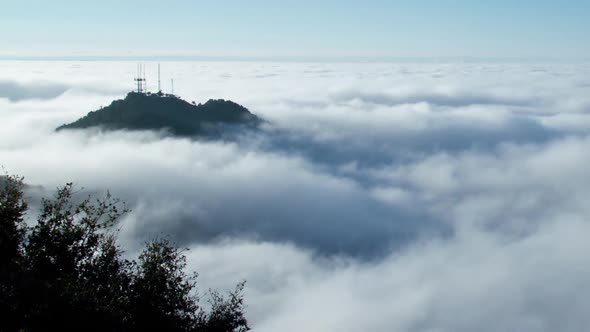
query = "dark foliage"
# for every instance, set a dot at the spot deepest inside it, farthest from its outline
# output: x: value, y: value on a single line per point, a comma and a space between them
x: 66, y: 273
x: 162, y: 290
x: 140, y: 111
x: 12, y: 234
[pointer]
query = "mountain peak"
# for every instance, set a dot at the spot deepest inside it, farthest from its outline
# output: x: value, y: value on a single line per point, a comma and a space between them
x: 158, y: 111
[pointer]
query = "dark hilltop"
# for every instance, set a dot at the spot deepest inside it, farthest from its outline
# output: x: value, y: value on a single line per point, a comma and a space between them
x: 158, y: 111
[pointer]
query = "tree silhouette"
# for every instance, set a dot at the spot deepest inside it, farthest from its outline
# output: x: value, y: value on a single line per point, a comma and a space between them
x: 75, y: 265
x: 66, y: 272
x: 162, y: 291
x: 12, y: 234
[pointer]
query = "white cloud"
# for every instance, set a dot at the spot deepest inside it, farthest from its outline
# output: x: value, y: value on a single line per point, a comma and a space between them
x: 474, y: 281
x: 379, y: 197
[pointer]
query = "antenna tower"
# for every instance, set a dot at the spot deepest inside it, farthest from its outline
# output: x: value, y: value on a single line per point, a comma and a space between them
x: 140, y: 80
x: 159, y: 88
x: 172, y: 82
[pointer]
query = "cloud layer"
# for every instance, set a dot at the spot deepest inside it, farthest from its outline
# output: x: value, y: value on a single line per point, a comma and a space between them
x: 378, y: 197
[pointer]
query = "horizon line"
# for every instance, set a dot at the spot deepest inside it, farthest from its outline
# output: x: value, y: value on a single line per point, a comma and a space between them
x: 293, y: 58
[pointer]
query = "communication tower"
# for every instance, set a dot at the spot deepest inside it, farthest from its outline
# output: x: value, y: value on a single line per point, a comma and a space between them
x: 140, y: 80
x: 159, y: 87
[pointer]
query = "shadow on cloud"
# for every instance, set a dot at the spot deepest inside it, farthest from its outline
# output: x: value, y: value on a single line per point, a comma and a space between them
x: 14, y: 91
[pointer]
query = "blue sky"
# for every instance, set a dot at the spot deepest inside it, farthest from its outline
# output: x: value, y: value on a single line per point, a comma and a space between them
x: 370, y: 28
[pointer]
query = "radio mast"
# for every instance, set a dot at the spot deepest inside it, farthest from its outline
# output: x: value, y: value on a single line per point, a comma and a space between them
x: 140, y: 80
x: 159, y: 88
x: 144, y: 81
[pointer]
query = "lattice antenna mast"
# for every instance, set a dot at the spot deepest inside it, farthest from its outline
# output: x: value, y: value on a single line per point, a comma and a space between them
x: 140, y: 80
x: 172, y: 83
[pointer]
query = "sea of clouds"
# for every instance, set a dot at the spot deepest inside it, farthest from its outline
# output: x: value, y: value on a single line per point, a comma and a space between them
x: 377, y: 197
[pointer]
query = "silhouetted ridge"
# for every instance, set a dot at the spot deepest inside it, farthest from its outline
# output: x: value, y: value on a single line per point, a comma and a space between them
x: 140, y: 111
